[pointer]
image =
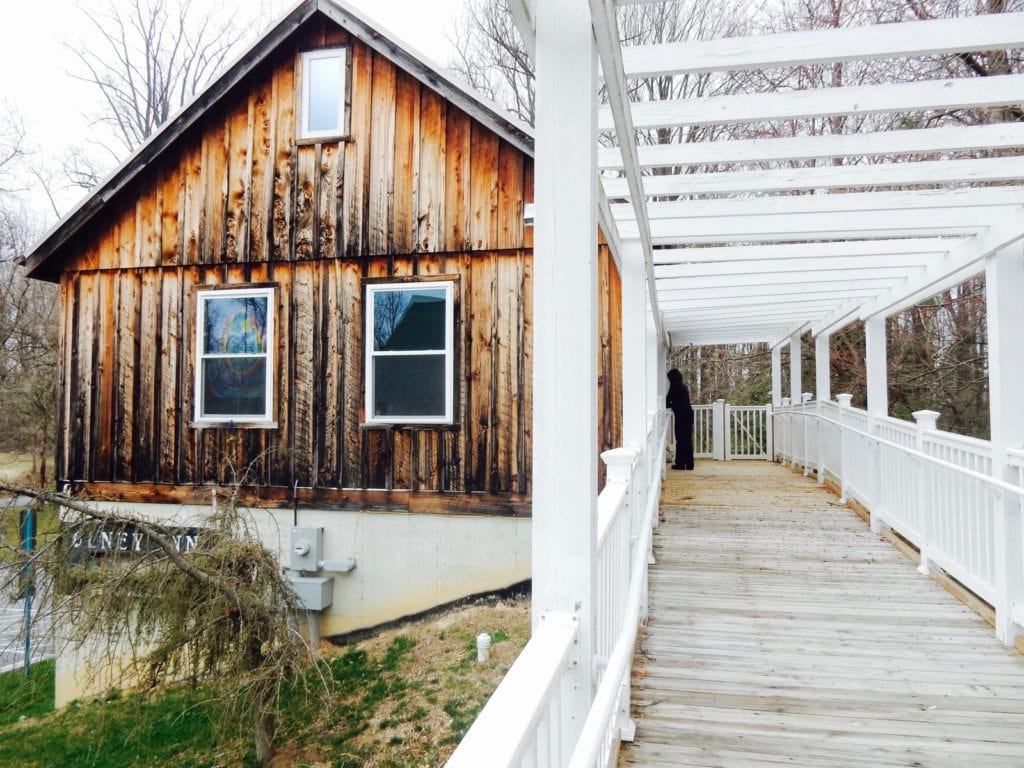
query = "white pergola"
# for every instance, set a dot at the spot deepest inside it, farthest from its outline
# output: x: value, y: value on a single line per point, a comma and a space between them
x: 803, y: 234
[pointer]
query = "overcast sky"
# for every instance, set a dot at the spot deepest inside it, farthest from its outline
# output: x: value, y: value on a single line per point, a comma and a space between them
x: 36, y: 62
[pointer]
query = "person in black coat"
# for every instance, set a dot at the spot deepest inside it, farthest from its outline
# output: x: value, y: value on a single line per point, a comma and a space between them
x: 678, y: 400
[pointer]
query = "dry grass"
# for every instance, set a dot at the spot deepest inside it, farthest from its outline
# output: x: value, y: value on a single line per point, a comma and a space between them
x: 16, y: 468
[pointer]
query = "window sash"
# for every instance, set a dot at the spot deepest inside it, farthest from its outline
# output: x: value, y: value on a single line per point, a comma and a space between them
x: 204, y: 298
x: 446, y: 416
x: 340, y: 55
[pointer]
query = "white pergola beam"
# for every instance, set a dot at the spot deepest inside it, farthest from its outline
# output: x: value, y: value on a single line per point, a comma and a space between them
x: 523, y: 14
x: 831, y: 202
x: 815, y: 226
x: 716, y: 254
x: 768, y: 280
x: 822, y: 147
x: 958, y: 265
x: 822, y: 102
x: 788, y: 49
x: 830, y: 177
x: 606, y: 39
x: 887, y: 265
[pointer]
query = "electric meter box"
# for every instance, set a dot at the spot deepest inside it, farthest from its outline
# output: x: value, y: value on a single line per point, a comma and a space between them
x: 306, y: 550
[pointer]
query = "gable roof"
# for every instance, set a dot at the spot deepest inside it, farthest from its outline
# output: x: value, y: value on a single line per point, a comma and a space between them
x: 38, y: 260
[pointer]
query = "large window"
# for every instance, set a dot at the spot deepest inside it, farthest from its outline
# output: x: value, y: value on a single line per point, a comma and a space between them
x: 323, y: 93
x: 410, y: 356
x: 234, y: 359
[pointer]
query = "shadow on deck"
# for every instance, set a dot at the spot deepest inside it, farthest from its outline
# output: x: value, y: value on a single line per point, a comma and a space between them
x: 783, y: 632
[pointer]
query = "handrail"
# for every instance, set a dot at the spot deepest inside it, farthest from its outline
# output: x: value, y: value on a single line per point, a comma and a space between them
x: 988, y: 479
x: 529, y: 684
x: 595, y: 729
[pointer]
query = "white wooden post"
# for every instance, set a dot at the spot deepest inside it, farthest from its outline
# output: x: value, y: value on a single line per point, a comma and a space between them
x: 876, y: 363
x: 795, y: 373
x: 634, y: 347
x: 805, y: 398
x: 1004, y: 287
x: 822, y: 367
x: 720, y: 439
x: 926, y: 420
x: 776, y: 376
x: 769, y: 427
x: 565, y: 342
x: 844, y: 401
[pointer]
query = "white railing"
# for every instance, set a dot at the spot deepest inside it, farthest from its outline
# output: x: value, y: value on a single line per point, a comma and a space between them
x: 521, y: 725
x: 725, y: 432
x: 936, y: 489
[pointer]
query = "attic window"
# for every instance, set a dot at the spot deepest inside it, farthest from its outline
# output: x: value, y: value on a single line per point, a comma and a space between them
x: 323, y: 93
x: 410, y: 353
x: 234, y: 356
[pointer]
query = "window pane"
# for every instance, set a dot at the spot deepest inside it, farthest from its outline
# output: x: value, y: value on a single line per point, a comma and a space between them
x: 409, y: 385
x: 236, y: 325
x: 408, y: 320
x: 235, y: 386
x: 324, y: 93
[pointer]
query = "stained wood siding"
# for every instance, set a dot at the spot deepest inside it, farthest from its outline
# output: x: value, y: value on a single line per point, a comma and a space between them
x: 417, y: 188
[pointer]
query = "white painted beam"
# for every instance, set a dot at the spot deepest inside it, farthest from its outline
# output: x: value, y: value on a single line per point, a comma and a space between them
x: 919, y: 246
x: 795, y: 366
x: 1004, y: 286
x: 850, y: 100
x: 876, y: 365
x: 809, y: 280
x: 960, y: 263
x: 634, y: 352
x: 953, y: 222
x: 839, y: 318
x: 846, y: 176
x: 822, y: 369
x: 889, y: 265
x: 789, y: 49
x: 893, y: 202
x: 752, y: 296
x: 822, y: 147
x: 564, y: 531
x: 606, y: 38
x: 523, y: 14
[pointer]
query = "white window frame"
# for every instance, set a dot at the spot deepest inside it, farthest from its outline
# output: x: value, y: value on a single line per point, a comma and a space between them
x: 323, y: 53
x: 266, y: 419
x: 448, y: 352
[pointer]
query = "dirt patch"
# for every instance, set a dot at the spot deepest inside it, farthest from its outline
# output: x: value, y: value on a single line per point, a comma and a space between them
x: 438, y: 686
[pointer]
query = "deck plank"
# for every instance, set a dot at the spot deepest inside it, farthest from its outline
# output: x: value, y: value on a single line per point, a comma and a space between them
x: 783, y: 632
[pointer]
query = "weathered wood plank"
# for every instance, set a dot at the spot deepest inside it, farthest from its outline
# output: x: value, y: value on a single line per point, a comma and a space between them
x: 382, y: 157
x: 357, y: 167
x: 483, y: 197
x: 282, y: 199
x: 405, y: 170
x: 458, y: 174
x: 430, y: 211
x: 783, y: 632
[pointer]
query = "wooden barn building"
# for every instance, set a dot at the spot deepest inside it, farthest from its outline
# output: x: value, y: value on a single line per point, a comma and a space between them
x: 316, y: 278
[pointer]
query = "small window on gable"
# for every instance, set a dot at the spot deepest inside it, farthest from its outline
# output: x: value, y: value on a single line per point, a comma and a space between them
x: 323, y: 93
x: 234, y: 356
x: 410, y: 365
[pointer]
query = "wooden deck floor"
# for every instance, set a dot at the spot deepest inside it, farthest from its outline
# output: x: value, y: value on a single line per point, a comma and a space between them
x: 783, y: 632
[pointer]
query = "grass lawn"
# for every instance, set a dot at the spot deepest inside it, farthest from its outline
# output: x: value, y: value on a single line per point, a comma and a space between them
x: 15, y: 467
x: 401, y: 698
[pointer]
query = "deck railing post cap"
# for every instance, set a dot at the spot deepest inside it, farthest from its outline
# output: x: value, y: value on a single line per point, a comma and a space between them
x: 927, y: 419
x: 806, y: 397
x: 844, y: 400
x: 786, y: 402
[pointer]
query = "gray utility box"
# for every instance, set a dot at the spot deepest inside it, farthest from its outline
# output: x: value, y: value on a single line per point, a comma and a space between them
x: 315, y: 592
x: 306, y: 550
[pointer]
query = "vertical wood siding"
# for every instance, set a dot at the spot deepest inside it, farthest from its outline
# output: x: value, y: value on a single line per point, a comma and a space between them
x: 417, y: 188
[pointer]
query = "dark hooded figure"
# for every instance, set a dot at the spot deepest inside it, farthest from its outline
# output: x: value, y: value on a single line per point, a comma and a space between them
x: 678, y: 399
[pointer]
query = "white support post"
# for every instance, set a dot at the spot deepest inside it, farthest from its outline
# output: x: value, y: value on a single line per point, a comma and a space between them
x: 795, y: 361
x: 634, y: 347
x: 822, y: 367
x: 926, y: 420
x: 720, y: 440
x: 565, y: 342
x: 1004, y: 286
x: 776, y: 376
x: 876, y: 363
x: 844, y: 401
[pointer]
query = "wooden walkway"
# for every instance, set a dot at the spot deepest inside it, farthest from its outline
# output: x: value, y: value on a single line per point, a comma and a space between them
x: 783, y: 632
